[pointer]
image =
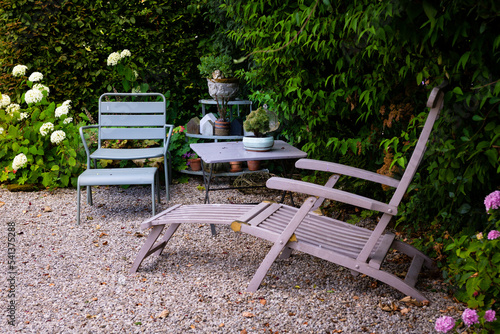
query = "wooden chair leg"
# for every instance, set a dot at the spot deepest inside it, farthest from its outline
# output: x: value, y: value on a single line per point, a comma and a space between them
x: 285, y: 253
x: 149, y: 246
x: 280, y: 243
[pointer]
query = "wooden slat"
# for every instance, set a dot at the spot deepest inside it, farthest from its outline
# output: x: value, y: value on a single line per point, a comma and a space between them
x: 262, y: 216
x: 204, y: 214
x: 412, y: 275
x: 381, y: 251
x: 252, y: 213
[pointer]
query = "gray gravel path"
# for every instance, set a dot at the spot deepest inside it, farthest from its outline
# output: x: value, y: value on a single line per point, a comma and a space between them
x: 74, y: 278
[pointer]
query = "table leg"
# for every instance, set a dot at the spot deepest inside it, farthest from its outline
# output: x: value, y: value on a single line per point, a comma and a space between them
x: 288, y: 176
x: 206, y: 181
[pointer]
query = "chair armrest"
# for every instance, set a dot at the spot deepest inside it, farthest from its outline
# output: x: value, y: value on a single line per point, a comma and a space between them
x: 332, y: 167
x: 170, y: 128
x: 333, y: 194
x: 85, y: 146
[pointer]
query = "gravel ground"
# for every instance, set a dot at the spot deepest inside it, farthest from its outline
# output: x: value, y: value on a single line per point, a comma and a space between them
x: 74, y: 278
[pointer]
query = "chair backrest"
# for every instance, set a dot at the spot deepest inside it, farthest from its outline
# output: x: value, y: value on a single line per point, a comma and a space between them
x: 130, y: 116
x: 435, y: 102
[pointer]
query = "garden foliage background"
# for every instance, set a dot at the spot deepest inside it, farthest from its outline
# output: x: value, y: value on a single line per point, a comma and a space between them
x: 348, y: 78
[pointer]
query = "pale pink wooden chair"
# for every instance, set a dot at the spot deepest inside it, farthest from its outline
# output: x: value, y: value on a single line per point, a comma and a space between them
x: 359, y: 249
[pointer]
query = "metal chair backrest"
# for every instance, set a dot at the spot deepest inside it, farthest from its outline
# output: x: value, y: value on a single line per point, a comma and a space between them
x: 129, y: 116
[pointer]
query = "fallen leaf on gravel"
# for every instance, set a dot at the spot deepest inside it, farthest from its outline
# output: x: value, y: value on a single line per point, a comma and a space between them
x: 47, y: 209
x: 248, y: 314
x: 405, y: 311
x: 411, y: 301
x: 221, y: 325
x: 263, y: 301
x: 388, y: 308
x: 104, y: 243
x: 163, y: 314
x: 2, y: 203
x: 88, y: 316
x: 243, y: 331
x: 192, y: 326
x: 139, y: 234
x: 102, y: 235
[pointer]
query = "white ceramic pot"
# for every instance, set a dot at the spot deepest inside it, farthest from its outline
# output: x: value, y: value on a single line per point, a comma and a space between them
x: 261, y: 144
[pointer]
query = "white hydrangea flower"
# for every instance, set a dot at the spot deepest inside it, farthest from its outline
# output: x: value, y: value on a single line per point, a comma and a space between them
x: 19, y: 162
x: 5, y: 101
x: 33, y: 96
x: 67, y: 103
x: 23, y: 115
x: 41, y: 88
x: 114, y: 58
x: 62, y: 110
x: 57, y: 136
x: 35, y: 76
x: 12, y: 108
x: 46, y: 128
x: 136, y: 74
x: 68, y: 120
x: 1, y: 130
x: 19, y: 70
x: 125, y: 53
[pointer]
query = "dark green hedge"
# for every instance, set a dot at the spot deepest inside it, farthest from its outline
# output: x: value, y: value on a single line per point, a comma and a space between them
x: 69, y: 42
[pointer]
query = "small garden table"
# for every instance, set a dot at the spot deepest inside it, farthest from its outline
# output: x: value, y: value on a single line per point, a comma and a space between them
x: 221, y: 152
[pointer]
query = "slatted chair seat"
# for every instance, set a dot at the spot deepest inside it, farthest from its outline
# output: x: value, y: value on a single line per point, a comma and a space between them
x: 359, y: 249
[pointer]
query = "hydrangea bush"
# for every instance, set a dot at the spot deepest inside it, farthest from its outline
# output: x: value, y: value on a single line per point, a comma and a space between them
x: 39, y: 140
x: 124, y: 73
x: 473, y: 264
x: 470, y: 319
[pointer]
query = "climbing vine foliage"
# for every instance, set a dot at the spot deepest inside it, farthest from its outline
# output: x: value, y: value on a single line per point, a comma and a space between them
x: 350, y: 80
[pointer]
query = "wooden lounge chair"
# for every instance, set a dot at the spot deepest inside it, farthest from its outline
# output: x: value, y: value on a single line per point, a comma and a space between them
x: 359, y: 249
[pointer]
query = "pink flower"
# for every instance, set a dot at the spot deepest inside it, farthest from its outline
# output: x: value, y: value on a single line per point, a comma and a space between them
x: 493, y: 235
x: 489, y: 316
x: 444, y: 324
x: 470, y: 317
x: 492, y: 201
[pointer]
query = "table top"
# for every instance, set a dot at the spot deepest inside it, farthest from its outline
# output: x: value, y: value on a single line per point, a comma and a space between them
x: 234, y: 151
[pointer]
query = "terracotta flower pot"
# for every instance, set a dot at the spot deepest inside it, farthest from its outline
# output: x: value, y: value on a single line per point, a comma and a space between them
x: 235, y: 166
x: 195, y: 164
x: 253, y: 165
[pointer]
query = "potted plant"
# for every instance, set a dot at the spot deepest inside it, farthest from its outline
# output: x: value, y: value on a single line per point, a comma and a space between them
x: 192, y: 161
x: 222, y: 86
x: 258, y: 122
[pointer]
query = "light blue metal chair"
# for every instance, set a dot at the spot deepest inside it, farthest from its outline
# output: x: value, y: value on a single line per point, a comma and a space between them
x: 130, y: 116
